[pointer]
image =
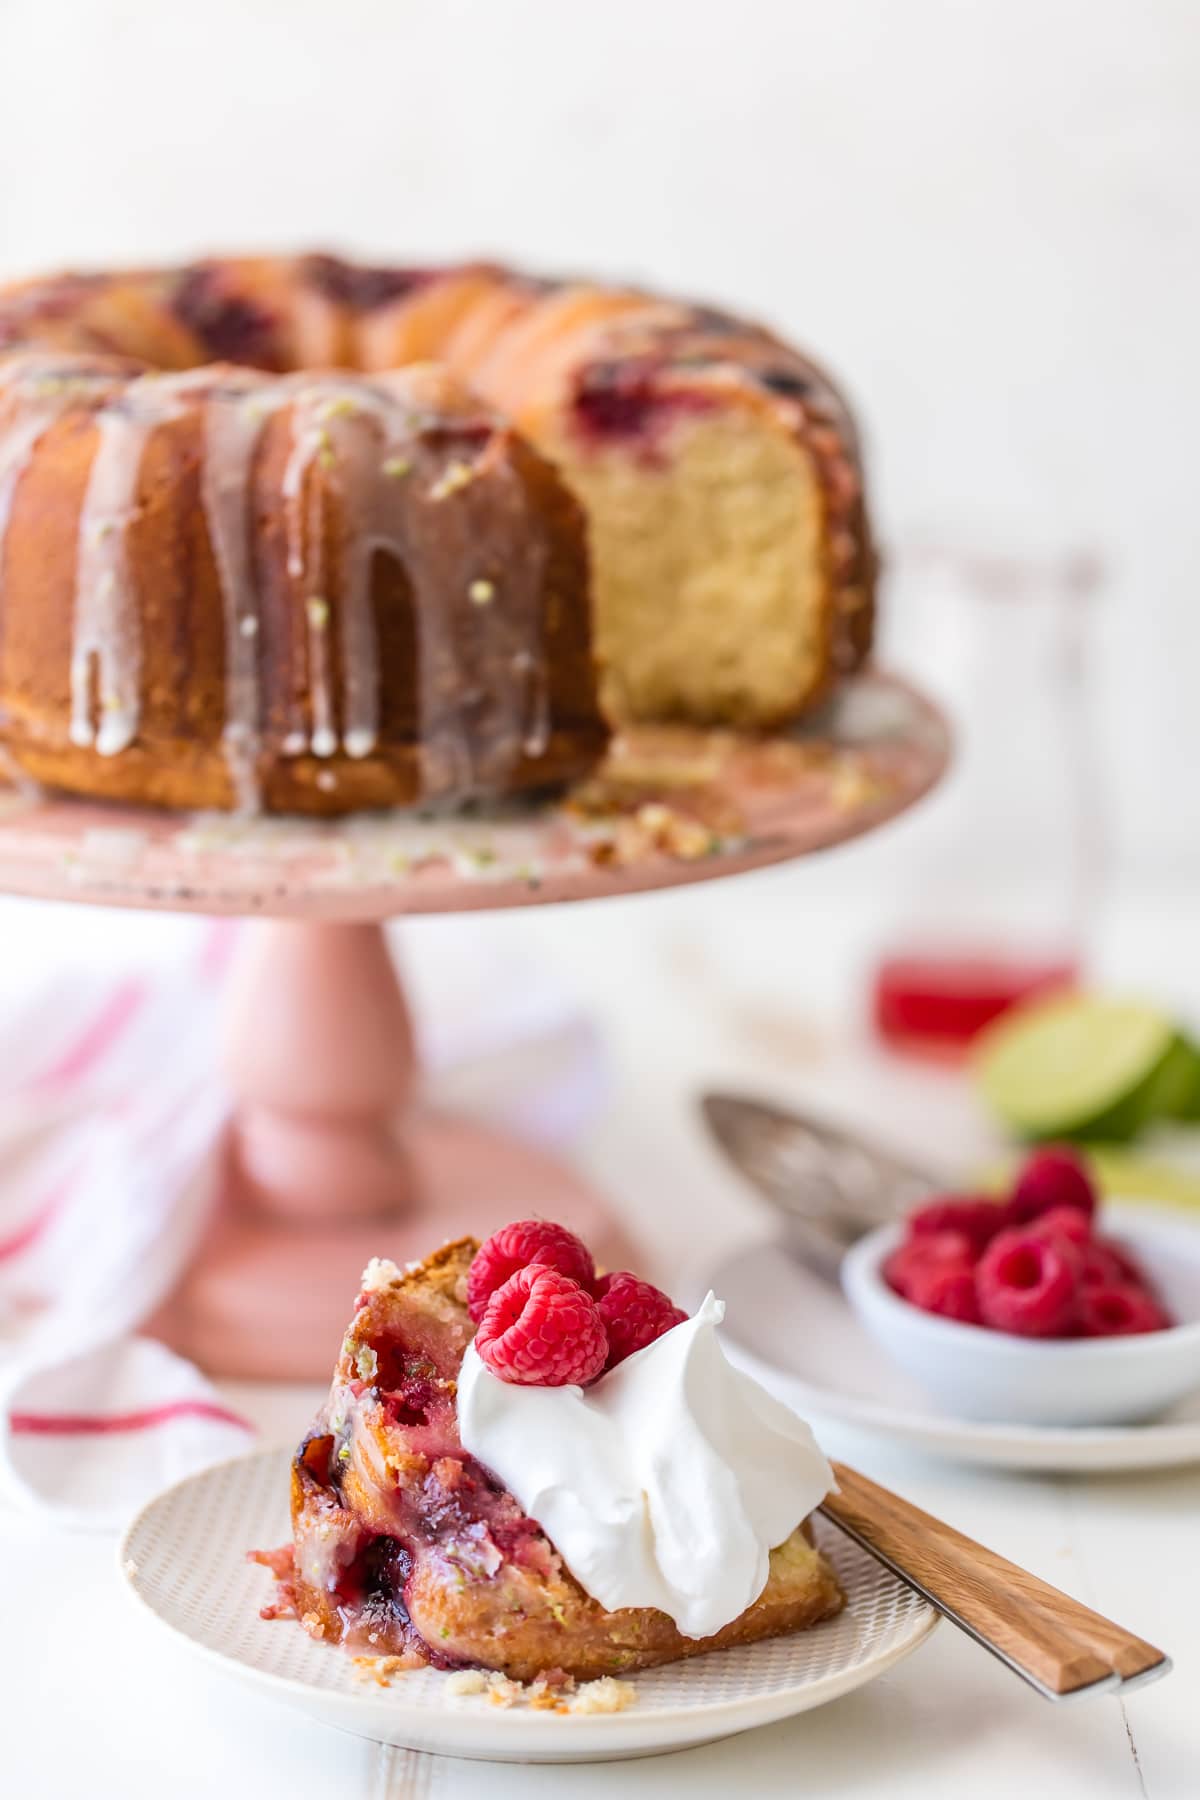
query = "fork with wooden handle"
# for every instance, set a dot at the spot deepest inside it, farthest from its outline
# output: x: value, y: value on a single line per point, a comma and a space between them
x: 1060, y: 1647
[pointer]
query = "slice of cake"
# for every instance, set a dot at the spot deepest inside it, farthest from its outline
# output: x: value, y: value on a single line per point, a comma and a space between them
x: 655, y: 1533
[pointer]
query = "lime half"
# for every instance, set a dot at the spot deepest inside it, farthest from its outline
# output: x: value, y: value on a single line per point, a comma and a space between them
x: 1079, y: 1066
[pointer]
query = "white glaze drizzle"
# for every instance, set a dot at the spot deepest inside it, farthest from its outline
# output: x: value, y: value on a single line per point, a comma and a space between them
x: 531, y: 668
x: 17, y: 446
x: 306, y: 559
x: 233, y: 426
x: 470, y: 732
x: 107, y: 648
x: 358, y: 433
x: 400, y: 510
x: 362, y: 480
x: 499, y: 687
x: 513, y: 623
x: 339, y: 426
x: 53, y: 394
x: 516, y: 618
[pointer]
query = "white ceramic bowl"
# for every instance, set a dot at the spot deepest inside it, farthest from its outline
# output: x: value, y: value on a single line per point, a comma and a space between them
x: 979, y: 1374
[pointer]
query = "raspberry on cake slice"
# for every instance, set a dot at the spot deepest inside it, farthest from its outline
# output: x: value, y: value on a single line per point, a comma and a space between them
x: 406, y: 1545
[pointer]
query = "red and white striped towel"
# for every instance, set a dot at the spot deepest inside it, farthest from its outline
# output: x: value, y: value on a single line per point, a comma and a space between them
x: 110, y: 1122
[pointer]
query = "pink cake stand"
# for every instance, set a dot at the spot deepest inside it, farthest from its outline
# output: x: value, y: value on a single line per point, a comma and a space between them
x: 332, y: 1156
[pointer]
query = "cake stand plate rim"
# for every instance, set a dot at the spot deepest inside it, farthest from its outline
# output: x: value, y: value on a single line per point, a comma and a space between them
x: 61, y: 848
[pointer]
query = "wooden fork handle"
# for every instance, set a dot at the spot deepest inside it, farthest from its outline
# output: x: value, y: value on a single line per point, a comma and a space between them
x: 1058, y: 1645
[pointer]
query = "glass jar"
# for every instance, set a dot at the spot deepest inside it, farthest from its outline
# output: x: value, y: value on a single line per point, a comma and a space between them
x: 1003, y: 864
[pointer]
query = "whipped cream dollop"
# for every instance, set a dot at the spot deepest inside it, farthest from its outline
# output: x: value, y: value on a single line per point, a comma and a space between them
x: 665, y: 1484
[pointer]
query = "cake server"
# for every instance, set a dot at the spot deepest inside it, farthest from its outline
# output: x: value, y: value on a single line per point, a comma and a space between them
x: 1062, y: 1648
x: 829, y: 1186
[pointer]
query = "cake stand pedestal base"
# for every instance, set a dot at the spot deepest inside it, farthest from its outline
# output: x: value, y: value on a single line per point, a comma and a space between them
x: 331, y: 1159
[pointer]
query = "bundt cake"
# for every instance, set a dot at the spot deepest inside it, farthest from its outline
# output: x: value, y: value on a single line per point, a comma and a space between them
x: 256, y: 550
x: 405, y: 1545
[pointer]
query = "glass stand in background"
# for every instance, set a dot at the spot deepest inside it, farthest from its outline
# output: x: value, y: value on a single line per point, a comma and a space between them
x: 1004, y: 863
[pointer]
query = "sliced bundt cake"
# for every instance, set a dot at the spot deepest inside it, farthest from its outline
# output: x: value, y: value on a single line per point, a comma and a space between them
x: 232, y: 575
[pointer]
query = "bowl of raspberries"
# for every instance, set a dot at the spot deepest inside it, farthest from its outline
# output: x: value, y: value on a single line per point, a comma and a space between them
x: 1030, y: 1308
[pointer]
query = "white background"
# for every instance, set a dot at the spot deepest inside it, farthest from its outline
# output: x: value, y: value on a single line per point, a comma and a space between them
x: 985, y: 216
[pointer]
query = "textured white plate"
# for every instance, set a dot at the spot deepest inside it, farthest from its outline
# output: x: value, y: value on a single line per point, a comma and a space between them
x: 184, y: 1558
x: 795, y: 1333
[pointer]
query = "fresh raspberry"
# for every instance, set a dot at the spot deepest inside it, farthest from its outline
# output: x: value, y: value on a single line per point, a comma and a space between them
x: 1119, y: 1311
x: 920, y: 1258
x: 1051, y: 1178
x: 1064, y: 1221
x: 514, y: 1246
x: 1029, y: 1284
x: 634, y: 1314
x: 1106, y: 1262
x: 542, y: 1330
x: 976, y: 1218
x: 950, y: 1292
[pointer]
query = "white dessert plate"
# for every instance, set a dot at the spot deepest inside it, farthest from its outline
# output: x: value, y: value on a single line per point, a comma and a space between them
x: 184, y: 1560
x: 796, y: 1334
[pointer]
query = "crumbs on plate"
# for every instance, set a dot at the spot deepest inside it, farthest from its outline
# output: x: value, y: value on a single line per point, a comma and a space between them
x: 551, y: 1692
x: 607, y: 1695
x: 379, y: 1669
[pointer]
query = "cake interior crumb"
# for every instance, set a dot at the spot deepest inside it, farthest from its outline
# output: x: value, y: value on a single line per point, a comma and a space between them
x: 607, y: 1695
x: 501, y: 1691
x: 466, y: 1681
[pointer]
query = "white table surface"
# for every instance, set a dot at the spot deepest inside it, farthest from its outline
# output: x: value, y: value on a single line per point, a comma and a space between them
x: 750, y: 984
